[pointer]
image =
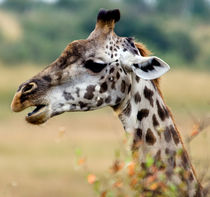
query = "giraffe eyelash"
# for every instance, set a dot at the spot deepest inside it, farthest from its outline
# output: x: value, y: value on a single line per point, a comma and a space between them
x: 94, y: 67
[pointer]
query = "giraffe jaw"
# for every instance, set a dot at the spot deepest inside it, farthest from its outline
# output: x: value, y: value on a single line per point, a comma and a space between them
x: 39, y: 115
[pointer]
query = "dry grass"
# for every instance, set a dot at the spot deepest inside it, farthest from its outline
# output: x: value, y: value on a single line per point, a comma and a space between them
x: 190, y: 84
x: 40, y: 160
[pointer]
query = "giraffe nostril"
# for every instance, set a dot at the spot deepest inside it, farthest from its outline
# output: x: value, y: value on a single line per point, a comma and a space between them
x: 29, y: 87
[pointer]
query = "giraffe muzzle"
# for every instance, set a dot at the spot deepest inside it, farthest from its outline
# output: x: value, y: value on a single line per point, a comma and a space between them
x: 40, y: 113
x: 17, y: 105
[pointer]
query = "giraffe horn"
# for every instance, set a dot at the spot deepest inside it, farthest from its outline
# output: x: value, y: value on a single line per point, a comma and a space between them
x: 106, y: 20
x: 108, y: 16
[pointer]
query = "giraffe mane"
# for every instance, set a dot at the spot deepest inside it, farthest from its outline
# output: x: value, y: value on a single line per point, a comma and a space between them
x: 143, y: 49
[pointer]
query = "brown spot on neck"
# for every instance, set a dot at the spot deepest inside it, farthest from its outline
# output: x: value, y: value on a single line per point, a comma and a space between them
x: 137, y: 140
x: 174, y: 134
x: 162, y: 111
x: 148, y: 95
x: 167, y: 134
x: 143, y: 113
x: 150, y: 138
x: 137, y: 97
x: 155, y: 121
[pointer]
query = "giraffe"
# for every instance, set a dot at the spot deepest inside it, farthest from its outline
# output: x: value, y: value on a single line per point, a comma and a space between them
x: 108, y: 70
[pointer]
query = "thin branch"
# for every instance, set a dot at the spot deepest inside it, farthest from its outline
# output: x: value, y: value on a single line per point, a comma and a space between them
x: 199, y: 126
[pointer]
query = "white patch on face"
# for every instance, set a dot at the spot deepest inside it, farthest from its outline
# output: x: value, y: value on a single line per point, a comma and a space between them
x: 97, y: 88
x: 127, y: 58
x: 98, y: 98
x: 111, y: 78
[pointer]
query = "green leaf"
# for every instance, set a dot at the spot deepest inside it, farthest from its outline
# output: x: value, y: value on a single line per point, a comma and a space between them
x: 96, y: 186
x: 149, y: 161
x: 110, y: 194
x: 172, y: 187
x: 178, y: 170
x: 179, y: 152
x: 162, y: 177
x: 117, y: 153
x: 78, y: 152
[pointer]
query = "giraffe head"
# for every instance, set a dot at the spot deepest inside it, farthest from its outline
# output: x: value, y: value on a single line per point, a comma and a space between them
x: 89, y: 74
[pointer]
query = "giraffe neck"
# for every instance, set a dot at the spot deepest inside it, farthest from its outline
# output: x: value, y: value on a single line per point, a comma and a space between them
x: 144, y: 114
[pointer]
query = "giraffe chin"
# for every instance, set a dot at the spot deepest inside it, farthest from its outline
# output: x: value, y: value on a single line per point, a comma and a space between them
x: 39, y: 115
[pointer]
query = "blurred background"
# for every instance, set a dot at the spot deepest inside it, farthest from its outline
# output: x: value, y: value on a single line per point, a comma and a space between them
x: 41, y: 160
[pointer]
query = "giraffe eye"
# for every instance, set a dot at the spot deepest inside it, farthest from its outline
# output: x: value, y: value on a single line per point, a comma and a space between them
x: 94, y: 67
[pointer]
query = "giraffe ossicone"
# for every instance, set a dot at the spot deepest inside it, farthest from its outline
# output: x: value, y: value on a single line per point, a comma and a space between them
x: 108, y: 70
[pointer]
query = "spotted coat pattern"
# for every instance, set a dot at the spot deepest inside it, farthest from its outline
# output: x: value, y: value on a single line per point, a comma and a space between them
x: 155, y: 133
x: 101, y: 71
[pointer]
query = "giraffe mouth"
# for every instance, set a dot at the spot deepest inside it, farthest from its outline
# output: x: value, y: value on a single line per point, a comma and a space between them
x: 39, y: 115
x: 36, y: 110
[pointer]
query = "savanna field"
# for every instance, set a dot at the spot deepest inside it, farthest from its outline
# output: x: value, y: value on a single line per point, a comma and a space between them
x: 45, y: 160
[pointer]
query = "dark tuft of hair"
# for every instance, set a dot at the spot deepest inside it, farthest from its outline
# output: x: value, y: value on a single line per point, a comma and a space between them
x: 108, y: 15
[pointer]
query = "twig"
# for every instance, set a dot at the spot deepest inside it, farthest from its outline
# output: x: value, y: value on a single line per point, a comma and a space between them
x: 199, y: 126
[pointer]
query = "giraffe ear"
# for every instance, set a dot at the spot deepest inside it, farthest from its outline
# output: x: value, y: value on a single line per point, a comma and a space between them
x: 150, y: 67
